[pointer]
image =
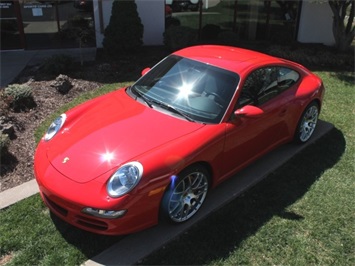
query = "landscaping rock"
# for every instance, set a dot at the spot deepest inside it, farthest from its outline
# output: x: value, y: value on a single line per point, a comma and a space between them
x: 6, y: 127
x: 62, y: 84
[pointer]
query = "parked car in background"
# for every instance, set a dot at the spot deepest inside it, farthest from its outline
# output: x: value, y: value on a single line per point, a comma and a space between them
x: 183, y: 5
x: 84, y: 4
x: 121, y: 162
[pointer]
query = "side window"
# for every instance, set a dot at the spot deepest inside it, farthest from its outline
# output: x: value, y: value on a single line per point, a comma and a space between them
x: 259, y: 87
x: 286, y: 78
x: 266, y: 83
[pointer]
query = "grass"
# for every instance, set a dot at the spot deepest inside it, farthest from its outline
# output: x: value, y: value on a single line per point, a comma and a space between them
x: 32, y: 236
x: 301, y: 214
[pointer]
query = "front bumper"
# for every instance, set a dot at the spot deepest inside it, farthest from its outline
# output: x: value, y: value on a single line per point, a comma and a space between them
x: 67, y: 200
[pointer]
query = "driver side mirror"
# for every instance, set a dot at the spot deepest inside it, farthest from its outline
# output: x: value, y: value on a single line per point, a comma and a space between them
x: 249, y: 111
x: 145, y: 71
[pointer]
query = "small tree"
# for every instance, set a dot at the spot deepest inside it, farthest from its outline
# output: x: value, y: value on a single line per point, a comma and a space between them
x: 124, y: 32
x: 80, y: 30
x: 343, y: 28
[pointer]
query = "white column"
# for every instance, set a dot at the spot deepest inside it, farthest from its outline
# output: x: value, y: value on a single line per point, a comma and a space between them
x: 316, y: 22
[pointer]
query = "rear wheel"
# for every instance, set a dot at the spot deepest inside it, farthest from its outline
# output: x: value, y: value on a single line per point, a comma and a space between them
x: 307, y: 123
x: 186, y: 194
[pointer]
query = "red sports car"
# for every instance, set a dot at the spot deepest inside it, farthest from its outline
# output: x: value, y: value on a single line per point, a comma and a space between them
x: 120, y: 162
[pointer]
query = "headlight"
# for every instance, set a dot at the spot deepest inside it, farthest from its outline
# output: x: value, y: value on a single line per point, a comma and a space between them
x: 124, y: 179
x: 55, y: 127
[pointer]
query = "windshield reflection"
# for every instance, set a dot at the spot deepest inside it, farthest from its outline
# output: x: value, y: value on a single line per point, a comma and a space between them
x: 197, y: 90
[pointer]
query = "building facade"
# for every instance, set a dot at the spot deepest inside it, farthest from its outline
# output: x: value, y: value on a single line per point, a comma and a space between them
x: 30, y: 25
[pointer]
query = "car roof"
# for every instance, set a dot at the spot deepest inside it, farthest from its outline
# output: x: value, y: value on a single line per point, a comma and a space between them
x: 228, y: 57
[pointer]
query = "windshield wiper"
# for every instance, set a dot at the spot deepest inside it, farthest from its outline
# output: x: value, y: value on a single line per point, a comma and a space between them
x: 150, y: 103
x: 142, y: 96
x: 173, y: 109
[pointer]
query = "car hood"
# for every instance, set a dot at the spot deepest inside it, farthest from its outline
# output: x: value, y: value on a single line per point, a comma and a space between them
x: 108, y: 131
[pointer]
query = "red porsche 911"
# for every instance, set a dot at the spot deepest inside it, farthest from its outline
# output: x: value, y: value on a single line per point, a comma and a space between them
x: 119, y: 163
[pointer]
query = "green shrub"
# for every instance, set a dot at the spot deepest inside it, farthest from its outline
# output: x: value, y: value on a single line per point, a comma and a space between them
x: 57, y: 64
x: 178, y: 37
x: 18, y: 97
x: 124, y: 32
x: 314, y: 56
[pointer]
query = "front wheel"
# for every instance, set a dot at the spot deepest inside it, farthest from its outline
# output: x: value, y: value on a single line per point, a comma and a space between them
x: 186, y: 194
x: 307, y: 123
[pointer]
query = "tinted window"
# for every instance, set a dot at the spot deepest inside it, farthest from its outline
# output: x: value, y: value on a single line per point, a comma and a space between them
x: 286, y: 78
x: 266, y: 83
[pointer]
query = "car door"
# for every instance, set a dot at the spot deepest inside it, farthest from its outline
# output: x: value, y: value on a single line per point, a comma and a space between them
x: 249, y: 137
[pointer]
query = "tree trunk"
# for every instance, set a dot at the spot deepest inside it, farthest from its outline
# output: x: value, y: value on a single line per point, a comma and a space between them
x: 343, y: 30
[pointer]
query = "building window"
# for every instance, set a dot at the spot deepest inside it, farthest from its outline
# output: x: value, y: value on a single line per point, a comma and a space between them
x: 236, y: 20
x: 10, y: 27
x: 48, y: 24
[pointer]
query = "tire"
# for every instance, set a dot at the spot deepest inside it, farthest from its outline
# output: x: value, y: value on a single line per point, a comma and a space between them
x: 185, y: 195
x: 307, y: 123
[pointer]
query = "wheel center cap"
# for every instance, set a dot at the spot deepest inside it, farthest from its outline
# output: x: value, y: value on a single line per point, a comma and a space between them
x: 189, y: 198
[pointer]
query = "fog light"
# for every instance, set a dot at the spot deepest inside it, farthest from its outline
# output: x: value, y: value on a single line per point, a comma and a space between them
x: 104, y: 213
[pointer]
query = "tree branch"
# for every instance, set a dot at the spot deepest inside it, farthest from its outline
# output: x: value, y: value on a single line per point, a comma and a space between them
x: 349, y: 25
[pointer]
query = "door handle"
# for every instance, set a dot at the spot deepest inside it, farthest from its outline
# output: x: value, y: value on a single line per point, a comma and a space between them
x: 283, y: 112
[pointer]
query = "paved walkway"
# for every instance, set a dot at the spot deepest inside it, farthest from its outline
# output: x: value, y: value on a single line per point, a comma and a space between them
x: 13, y: 62
x: 13, y: 195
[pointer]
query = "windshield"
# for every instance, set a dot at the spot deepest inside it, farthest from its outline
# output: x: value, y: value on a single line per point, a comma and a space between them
x: 194, y: 90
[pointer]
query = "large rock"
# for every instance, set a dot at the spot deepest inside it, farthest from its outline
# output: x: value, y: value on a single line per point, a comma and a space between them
x: 62, y: 84
x: 6, y: 127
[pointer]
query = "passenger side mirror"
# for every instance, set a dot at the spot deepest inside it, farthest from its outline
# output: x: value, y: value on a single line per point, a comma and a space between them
x: 249, y: 111
x: 145, y: 71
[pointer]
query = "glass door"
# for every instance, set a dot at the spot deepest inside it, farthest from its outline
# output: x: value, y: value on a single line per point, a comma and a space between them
x: 58, y: 24
x: 40, y: 24
x: 11, y: 28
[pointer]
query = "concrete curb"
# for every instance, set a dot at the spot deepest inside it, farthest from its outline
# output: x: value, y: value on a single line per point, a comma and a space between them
x: 13, y: 195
